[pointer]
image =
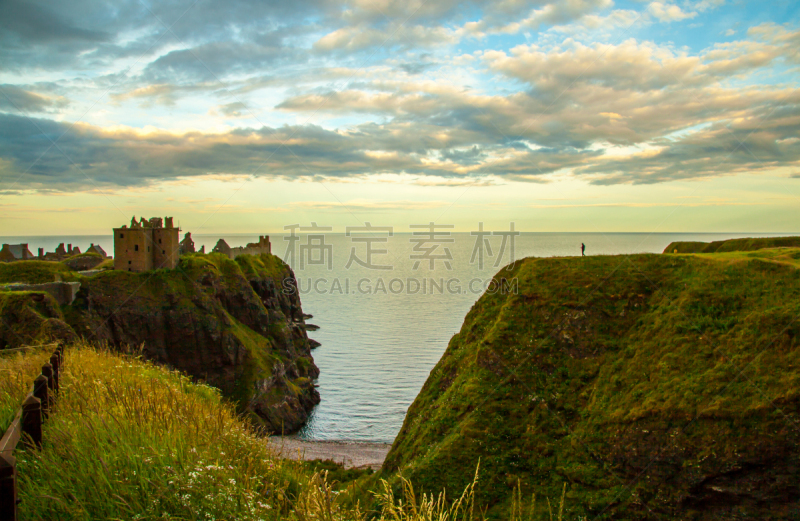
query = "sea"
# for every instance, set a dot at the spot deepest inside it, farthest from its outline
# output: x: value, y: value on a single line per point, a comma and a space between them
x: 388, y: 303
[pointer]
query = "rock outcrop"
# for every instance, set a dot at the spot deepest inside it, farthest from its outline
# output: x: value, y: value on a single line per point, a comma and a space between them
x: 229, y: 323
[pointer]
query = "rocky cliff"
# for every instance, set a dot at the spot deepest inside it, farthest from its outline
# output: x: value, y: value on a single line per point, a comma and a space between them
x: 653, y: 387
x: 224, y: 321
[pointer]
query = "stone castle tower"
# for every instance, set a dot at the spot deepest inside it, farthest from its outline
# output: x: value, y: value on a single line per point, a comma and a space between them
x: 146, y: 245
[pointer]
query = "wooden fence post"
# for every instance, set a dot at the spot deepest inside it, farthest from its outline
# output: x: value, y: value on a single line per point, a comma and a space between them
x: 47, y: 371
x: 8, y: 487
x: 32, y: 420
x: 40, y: 391
x: 56, y: 371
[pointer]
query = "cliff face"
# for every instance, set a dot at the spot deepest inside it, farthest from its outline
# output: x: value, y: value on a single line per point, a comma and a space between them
x: 227, y: 322
x: 653, y: 386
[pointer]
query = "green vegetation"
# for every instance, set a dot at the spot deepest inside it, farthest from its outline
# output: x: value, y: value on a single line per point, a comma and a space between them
x: 29, y: 317
x: 733, y: 245
x: 36, y: 272
x: 335, y: 473
x: 640, y: 381
x: 261, y: 266
x: 86, y: 254
x: 107, y: 264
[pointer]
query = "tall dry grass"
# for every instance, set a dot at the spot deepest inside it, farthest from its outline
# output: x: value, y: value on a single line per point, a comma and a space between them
x: 318, y: 502
x: 18, y: 369
x: 130, y: 440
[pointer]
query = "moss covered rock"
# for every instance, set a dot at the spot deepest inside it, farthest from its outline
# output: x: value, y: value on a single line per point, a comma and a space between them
x: 31, y: 317
x: 653, y: 386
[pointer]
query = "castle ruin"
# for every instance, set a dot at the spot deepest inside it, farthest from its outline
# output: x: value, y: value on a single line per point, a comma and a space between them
x: 253, y: 248
x: 146, y: 245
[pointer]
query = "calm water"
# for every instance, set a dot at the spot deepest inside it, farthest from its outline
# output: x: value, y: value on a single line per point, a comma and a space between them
x: 381, y: 339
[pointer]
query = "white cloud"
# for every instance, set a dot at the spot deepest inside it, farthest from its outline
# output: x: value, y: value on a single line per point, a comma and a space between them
x: 668, y: 12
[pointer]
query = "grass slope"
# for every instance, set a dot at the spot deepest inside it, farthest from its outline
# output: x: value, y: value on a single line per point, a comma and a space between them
x: 130, y: 440
x: 36, y: 272
x: 654, y: 386
x: 729, y: 245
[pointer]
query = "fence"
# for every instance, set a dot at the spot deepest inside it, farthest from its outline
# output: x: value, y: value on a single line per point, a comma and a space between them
x: 27, y: 426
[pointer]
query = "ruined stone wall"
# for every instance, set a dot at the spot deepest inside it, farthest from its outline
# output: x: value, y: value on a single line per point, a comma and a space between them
x: 166, y: 246
x: 133, y: 249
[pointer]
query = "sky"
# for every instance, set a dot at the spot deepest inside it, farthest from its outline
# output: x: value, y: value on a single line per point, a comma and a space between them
x: 248, y: 116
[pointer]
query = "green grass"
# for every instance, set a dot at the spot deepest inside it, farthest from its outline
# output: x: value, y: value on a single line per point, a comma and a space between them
x: 28, y: 317
x: 262, y: 266
x: 107, y: 264
x: 84, y: 255
x: 35, y: 272
x: 587, y: 374
x: 748, y: 244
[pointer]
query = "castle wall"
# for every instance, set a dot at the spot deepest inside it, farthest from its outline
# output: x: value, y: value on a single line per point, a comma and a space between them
x: 133, y: 249
x: 166, y: 247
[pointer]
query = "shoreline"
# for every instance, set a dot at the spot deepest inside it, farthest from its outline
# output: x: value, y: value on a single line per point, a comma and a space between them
x: 350, y: 454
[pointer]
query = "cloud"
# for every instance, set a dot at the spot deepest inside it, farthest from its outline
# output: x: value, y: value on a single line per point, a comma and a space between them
x: 15, y: 99
x: 237, y: 109
x: 395, y: 34
x: 430, y: 91
x: 370, y: 205
x: 668, y: 12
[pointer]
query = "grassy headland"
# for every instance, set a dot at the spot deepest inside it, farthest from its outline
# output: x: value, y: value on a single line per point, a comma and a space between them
x: 729, y: 245
x: 654, y: 386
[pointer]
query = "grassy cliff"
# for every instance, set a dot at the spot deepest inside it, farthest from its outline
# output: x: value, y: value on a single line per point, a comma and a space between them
x: 651, y: 386
x: 221, y: 320
x: 748, y: 244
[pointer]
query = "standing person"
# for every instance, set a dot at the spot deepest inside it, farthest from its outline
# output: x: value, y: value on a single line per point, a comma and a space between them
x: 583, y: 250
